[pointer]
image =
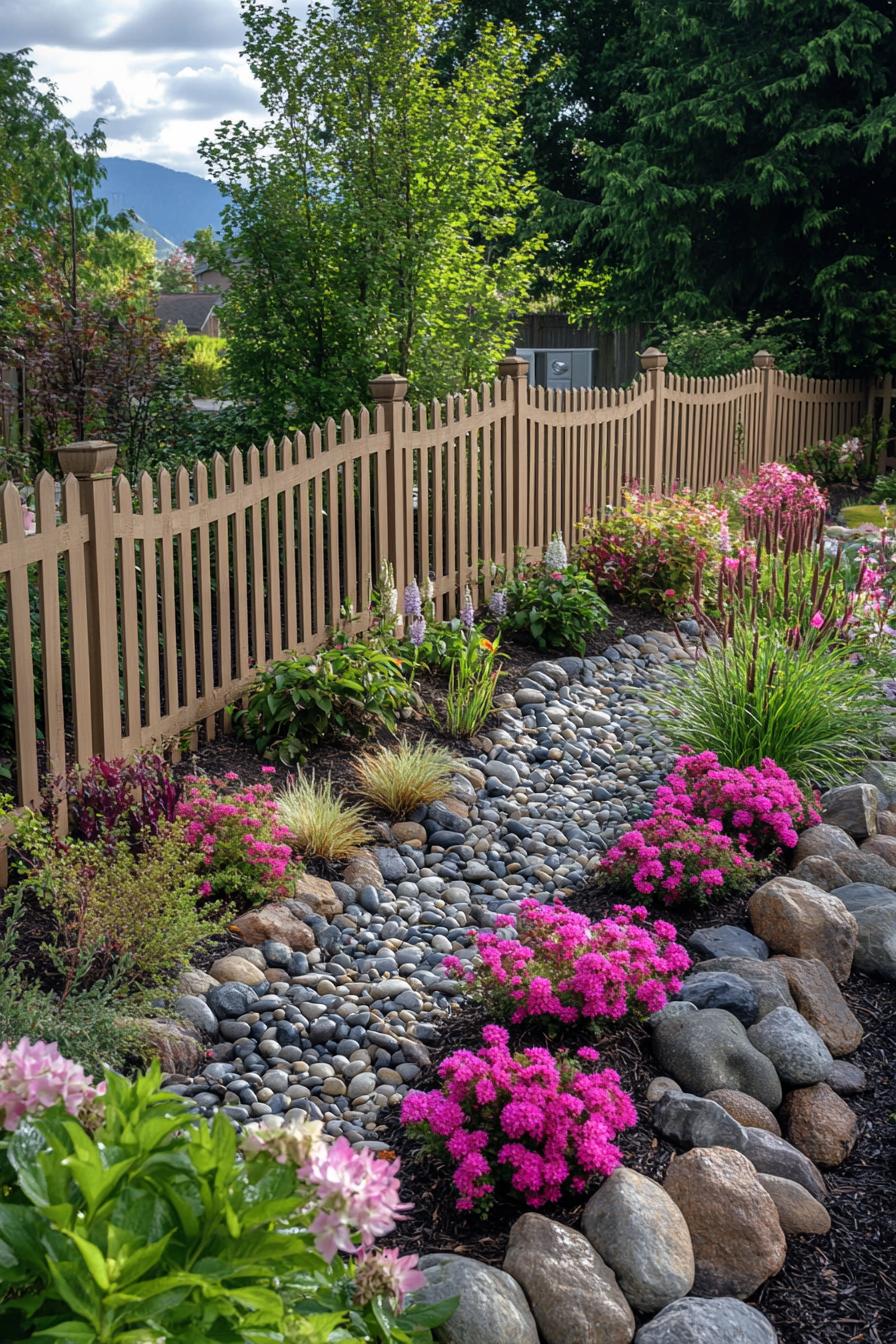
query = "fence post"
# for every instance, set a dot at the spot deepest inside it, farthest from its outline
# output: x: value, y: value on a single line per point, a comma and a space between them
x: 765, y: 363
x: 92, y: 463
x: 516, y: 480
x: 389, y: 391
x: 653, y: 363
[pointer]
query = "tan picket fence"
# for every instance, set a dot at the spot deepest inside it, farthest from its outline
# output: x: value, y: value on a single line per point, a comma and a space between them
x: 138, y: 615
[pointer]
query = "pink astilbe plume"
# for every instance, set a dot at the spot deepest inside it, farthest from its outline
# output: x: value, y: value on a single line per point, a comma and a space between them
x: 356, y: 1194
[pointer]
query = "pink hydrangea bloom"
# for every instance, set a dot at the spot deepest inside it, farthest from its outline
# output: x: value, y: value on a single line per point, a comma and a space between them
x: 386, y: 1273
x: 550, y: 1127
x: 35, y: 1076
x: 355, y: 1194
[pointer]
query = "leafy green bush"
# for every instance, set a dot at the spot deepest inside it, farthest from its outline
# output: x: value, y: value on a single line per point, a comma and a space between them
x: 321, y: 823
x: 127, y: 1219
x: 844, y: 460
x: 647, y: 551
x: 713, y: 348
x: 554, y: 609
x: 204, y: 366
x: 146, y: 910
x: 297, y: 702
x: 884, y: 489
x: 403, y: 777
x: 88, y: 1018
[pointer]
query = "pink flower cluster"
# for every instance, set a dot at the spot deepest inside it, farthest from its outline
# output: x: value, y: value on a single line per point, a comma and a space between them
x: 35, y: 1077
x: 760, y: 807
x: 533, y: 1118
x: 680, y: 857
x: 779, y: 491
x: 238, y: 833
x: 355, y: 1194
x: 563, y: 966
x: 386, y: 1273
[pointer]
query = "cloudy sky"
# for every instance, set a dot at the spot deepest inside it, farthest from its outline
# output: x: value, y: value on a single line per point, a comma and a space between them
x: 162, y: 73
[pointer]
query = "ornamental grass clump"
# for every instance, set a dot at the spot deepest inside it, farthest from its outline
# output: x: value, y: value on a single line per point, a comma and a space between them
x: 320, y: 823
x: 536, y: 1123
x: 760, y: 807
x: 404, y: 776
x: 564, y: 969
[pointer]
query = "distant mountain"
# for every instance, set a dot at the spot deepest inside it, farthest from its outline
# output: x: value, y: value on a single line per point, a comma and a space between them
x: 170, y: 205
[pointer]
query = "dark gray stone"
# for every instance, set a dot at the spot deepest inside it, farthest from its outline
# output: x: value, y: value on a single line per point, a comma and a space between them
x: 197, y: 1011
x: 694, y: 1122
x: 230, y: 1000
x: 722, y: 989
x: 852, y: 807
x: 767, y: 979
x: 709, y: 1049
x: 708, y: 1320
x: 858, y: 896
x: 728, y: 941
x: 776, y: 1157
x: 846, y: 1079
x: 798, y: 1053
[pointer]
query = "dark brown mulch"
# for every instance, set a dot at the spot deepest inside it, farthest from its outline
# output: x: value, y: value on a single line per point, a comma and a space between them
x: 836, y: 1289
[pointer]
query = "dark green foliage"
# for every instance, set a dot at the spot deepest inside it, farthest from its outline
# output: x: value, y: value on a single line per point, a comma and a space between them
x: 747, y: 164
x: 556, y: 609
x: 297, y: 702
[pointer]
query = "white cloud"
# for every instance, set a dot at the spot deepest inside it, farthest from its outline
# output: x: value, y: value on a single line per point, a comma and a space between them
x: 162, y: 73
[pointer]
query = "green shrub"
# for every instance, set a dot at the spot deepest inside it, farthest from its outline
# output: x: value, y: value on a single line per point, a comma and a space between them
x: 844, y: 460
x: 320, y: 822
x: 884, y: 489
x: 710, y: 349
x: 146, y: 910
x: 86, y: 1017
x: 400, y: 778
x: 127, y: 1219
x: 204, y: 366
x: 554, y: 609
x: 297, y: 702
x: 647, y: 551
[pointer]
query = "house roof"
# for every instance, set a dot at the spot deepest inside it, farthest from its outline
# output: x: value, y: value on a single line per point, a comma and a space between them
x: 191, y: 309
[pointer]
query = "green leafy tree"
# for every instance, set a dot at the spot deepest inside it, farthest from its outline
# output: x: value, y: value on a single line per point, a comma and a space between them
x: 376, y: 214
x: 174, y: 273
x: 747, y: 164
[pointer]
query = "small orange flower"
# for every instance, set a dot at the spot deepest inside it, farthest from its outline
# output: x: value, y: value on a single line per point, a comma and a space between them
x: 487, y: 645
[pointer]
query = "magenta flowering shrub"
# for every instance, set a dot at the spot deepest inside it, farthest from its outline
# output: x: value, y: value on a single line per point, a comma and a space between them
x: 681, y: 857
x: 245, y: 850
x: 541, y: 1123
x: 565, y: 968
x: 779, y: 493
x: 34, y: 1077
x: 760, y: 807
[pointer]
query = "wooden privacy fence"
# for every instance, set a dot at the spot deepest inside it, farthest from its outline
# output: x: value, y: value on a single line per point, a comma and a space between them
x: 132, y: 615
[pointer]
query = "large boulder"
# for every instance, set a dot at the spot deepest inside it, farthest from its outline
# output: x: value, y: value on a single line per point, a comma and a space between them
x: 641, y: 1234
x: 492, y: 1307
x: 710, y: 1049
x: 882, y: 775
x: 884, y: 846
x: 866, y: 867
x: 800, y: 1213
x: 874, y: 910
x: 734, y: 1225
x: 804, y: 921
x: 722, y: 989
x: 826, y: 841
x: 703, y: 1320
x: 746, y: 1110
x: 727, y: 940
x: 820, y: 1124
x: 857, y: 896
x: 822, y: 1005
x: 768, y: 980
x: 821, y: 872
x: 314, y: 896
x: 274, y: 921
x: 798, y: 1053
x: 572, y: 1292
x: 176, y: 1044
x: 852, y: 807
x: 238, y: 969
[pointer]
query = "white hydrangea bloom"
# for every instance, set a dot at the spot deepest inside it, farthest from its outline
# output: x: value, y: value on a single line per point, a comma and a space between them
x: 555, y: 556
